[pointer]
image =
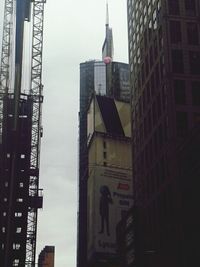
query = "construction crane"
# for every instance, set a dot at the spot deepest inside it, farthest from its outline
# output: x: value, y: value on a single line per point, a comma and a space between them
x: 21, y: 100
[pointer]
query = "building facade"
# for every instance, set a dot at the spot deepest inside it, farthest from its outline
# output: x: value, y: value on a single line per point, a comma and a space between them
x: 109, y: 184
x: 47, y: 257
x: 164, y: 56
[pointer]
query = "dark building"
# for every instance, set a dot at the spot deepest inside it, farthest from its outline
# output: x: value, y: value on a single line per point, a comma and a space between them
x: 102, y: 78
x: 46, y: 257
x: 164, y: 55
x: 126, y: 239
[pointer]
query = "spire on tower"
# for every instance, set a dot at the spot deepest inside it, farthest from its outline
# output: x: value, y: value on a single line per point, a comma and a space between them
x: 107, y: 14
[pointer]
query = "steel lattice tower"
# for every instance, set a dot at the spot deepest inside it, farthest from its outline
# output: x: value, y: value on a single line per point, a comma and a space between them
x: 20, y: 135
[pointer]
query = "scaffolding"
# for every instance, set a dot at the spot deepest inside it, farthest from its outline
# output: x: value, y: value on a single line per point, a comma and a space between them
x: 20, y: 135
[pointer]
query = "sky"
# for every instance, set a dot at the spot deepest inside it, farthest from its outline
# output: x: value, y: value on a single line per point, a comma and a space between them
x: 74, y: 32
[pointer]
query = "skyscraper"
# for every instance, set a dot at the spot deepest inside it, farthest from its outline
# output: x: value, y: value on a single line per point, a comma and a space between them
x: 164, y: 56
x: 102, y: 78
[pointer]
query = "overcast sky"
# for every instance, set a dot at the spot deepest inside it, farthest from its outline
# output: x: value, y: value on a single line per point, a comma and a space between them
x: 74, y: 32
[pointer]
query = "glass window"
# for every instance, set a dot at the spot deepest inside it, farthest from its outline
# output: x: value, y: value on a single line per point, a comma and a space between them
x: 181, y: 123
x: 173, y: 6
x: 196, y: 93
x: 190, y: 7
x: 192, y: 33
x: 175, y: 32
x: 194, y: 58
x: 179, y: 92
x: 196, y: 118
x: 177, y: 61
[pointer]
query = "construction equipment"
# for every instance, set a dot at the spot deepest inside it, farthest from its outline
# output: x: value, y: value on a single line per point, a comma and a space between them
x: 20, y: 130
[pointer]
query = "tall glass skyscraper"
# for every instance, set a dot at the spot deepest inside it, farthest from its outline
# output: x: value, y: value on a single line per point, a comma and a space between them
x: 164, y: 56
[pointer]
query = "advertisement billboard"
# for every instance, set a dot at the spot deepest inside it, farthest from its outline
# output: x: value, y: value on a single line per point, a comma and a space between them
x: 109, y: 199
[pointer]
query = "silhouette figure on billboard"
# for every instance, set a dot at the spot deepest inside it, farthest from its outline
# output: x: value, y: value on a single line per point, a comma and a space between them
x: 105, y: 200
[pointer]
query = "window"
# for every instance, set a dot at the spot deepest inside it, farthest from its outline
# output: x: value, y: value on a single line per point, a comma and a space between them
x: 20, y: 200
x: 18, y: 214
x: 175, y: 32
x: 181, y: 123
x: 196, y: 93
x: 104, y: 155
x: 16, y: 262
x: 16, y: 246
x: 177, y: 61
x: 179, y: 92
x: 192, y: 33
x: 21, y: 185
x: 196, y: 118
x: 194, y: 58
x: 173, y: 6
x: 104, y: 144
x: 18, y: 230
x: 190, y: 7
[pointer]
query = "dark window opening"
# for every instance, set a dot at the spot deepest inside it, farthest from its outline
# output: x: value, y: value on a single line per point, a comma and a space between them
x: 196, y: 93
x: 190, y: 7
x: 196, y: 118
x: 104, y: 144
x: 173, y: 6
x: 181, y: 123
x: 175, y: 32
x: 192, y: 33
x: 194, y: 58
x: 177, y: 61
x: 179, y: 92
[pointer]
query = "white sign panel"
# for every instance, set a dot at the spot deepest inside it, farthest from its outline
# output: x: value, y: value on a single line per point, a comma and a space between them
x: 109, y: 198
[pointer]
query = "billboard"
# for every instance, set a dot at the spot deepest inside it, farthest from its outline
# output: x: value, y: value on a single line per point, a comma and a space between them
x: 109, y: 199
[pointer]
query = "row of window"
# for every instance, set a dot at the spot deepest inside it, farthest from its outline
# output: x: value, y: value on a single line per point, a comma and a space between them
x: 151, y: 149
x: 180, y: 93
x: 138, y: 25
x: 152, y: 181
x: 178, y: 61
x: 17, y: 214
x: 17, y: 231
x: 183, y: 7
x: 151, y: 44
x: 176, y: 32
x: 182, y: 122
x: 151, y: 105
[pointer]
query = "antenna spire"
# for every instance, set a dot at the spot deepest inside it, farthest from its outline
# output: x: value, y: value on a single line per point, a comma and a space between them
x: 107, y: 14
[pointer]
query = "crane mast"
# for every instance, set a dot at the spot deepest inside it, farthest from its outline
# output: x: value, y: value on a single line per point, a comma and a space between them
x: 20, y: 133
